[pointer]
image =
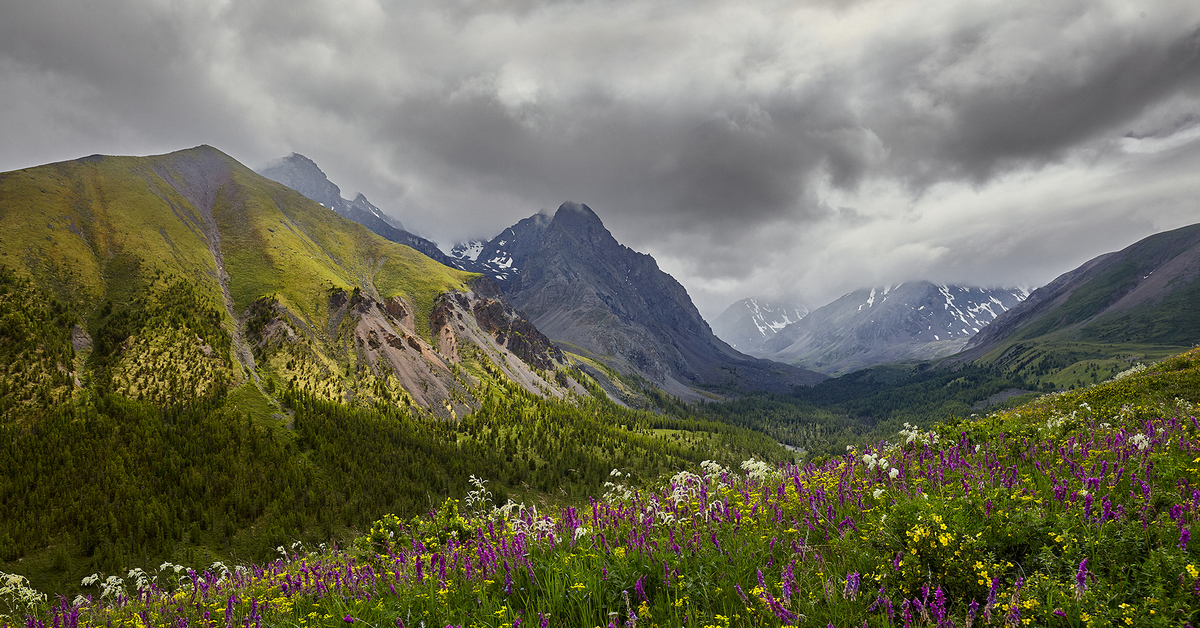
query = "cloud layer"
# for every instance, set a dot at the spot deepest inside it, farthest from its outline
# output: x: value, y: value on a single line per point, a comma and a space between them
x: 755, y: 148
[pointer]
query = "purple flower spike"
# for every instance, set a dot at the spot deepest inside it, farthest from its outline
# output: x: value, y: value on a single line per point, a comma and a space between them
x: 348, y: 619
x: 1185, y: 535
x: 1081, y: 579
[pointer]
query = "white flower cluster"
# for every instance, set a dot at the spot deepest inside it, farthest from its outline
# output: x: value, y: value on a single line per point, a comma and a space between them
x: 912, y: 433
x: 1057, y: 421
x: 110, y: 587
x: 873, y: 460
x: 756, y: 469
x: 139, y: 576
x: 534, y: 524
x: 685, y: 486
x: 478, y: 501
x: 712, y: 469
x: 1133, y: 370
x: 1141, y: 441
x: 617, y: 492
x: 16, y: 592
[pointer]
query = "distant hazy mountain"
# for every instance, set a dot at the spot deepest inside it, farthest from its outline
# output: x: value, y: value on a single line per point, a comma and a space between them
x: 502, y: 257
x: 1143, y: 297
x: 301, y: 174
x: 748, y: 324
x: 606, y: 302
x: 911, y: 321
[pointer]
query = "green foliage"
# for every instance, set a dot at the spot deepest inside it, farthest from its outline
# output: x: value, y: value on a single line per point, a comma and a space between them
x: 166, y: 346
x: 36, y: 355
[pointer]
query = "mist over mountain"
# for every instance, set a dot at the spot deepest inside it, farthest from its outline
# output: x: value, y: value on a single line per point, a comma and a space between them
x: 916, y: 320
x: 748, y: 324
x: 303, y: 175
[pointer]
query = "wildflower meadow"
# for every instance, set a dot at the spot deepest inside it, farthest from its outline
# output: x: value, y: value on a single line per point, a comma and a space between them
x: 1075, y: 510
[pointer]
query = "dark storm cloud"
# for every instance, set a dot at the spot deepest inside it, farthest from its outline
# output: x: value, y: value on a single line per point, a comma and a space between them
x: 1060, y: 99
x: 763, y: 146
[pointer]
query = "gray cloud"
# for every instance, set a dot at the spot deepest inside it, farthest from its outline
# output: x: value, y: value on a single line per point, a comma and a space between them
x: 764, y: 147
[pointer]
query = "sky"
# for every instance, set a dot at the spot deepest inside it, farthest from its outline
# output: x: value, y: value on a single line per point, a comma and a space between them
x: 785, y: 150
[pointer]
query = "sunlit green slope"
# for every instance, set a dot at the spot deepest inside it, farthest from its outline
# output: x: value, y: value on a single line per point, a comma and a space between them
x: 154, y: 262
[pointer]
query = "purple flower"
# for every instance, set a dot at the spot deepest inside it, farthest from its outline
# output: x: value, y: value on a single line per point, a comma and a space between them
x: 741, y: 594
x: 1081, y: 579
x: 1185, y: 535
x: 850, y: 591
x: 348, y: 619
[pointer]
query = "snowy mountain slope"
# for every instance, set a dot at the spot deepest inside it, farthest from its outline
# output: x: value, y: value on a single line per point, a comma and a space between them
x: 502, y: 257
x: 748, y: 324
x: 914, y: 320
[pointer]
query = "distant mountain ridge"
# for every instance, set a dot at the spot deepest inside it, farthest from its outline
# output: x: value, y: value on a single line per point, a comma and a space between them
x: 609, y: 304
x: 303, y: 175
x: 911, y: 321
x: 748, y: 324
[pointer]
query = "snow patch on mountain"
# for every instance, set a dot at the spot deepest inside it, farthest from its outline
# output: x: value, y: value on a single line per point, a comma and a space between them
x: 468, y: 250
x: 747, y: 324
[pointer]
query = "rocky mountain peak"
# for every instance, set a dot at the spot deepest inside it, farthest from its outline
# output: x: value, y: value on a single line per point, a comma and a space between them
x: 582, y: 224
x: 303, y: 175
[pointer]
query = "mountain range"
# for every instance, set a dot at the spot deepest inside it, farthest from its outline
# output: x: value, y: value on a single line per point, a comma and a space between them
x: 608, y: 306
x: 916, y: 320
x: 912, y: 321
